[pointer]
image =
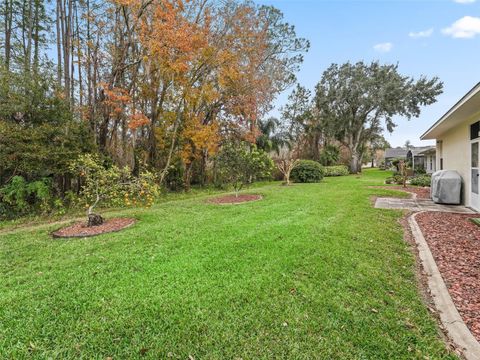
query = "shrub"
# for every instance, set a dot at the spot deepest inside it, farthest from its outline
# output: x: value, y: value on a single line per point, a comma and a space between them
x: 395, y: 179
x: 420, y: 170
x: 174, y: 178
x: 307, y: 171
x: 330, y: 155
x: 421, y: 180
x: 19, y: 197
x: 112, y: 186
x: 338, y: 170
x: 238, y: 165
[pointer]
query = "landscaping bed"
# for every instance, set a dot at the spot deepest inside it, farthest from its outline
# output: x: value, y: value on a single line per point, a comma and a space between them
x: 232, y: 199
x: 421, y: 192
x: 81, y: 229
x: 455, y: 244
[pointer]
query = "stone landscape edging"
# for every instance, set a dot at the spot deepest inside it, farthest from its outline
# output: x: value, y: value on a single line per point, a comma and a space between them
x: 453, y: 323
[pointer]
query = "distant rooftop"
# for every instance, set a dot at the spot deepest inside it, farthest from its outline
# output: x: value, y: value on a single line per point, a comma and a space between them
x: 402, y: 152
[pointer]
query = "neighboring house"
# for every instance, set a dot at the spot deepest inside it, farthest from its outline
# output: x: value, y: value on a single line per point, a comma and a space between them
x: 417, y: 154
x: 393, y: 154
x: 458, y: 135
x: 430, y: 159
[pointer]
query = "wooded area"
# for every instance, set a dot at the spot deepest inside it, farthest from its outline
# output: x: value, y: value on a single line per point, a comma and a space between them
x: 147, y: 84
x: 160, y: 86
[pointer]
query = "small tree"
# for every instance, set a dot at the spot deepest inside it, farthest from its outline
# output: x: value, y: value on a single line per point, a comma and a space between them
x: 238, y: 165
x: 286, y: 162
x: 403, y: 172
x: 111, y: 186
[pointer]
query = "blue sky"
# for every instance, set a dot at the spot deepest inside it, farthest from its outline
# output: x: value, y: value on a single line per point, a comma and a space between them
x: 434, y: 38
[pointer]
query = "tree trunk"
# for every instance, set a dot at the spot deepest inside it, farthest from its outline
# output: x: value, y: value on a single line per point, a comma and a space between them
x: 355, y: 165
x: 103, y: 126
x: 8, y: 31
x: 79, y: 62
x: 88, y: 65
x: 28, y: 50
x: 94, y: 220
x: 36, y: 40
x: 59, y: 44
x: 188, y: 176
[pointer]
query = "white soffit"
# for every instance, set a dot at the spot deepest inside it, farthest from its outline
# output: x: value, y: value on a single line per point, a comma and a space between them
x: 463, y: 109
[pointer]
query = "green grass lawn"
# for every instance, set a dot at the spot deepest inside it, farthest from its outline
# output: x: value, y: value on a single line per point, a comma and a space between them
x: 311, y: 271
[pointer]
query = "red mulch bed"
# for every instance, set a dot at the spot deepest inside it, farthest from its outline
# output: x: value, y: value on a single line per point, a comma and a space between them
x: 455, y: 245
x: 81, y: 229
x: 232, y: 199
x: 422, y: 192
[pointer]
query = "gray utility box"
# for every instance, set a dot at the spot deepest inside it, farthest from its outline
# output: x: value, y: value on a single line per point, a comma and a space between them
x: 446, y: 187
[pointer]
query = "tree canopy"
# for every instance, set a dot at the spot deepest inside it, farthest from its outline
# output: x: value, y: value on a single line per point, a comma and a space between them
x: 357, y: 99
x: 157, y: 85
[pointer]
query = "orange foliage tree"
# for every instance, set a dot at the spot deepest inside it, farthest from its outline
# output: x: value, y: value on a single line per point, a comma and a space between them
x: 184, y: 71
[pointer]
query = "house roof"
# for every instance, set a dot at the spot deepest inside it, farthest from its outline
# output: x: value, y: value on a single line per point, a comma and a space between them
x: 467, y: 106
x: 401, y: 153
x: 395, y: 153
x: 431, y: 150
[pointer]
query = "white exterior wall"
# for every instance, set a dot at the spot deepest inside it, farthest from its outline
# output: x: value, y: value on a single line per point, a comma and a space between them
x: 454, y: 147
x: 430, y: 164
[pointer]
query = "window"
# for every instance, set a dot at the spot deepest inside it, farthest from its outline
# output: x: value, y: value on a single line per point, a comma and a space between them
x: 441, y: 164
x: 474, y: 130
x: 474, y: 155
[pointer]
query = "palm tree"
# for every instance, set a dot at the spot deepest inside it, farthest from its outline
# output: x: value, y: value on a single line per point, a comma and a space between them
x: 270, y: 139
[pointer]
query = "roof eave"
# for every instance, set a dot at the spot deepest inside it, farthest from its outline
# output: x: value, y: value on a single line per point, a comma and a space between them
x: 430, y: 133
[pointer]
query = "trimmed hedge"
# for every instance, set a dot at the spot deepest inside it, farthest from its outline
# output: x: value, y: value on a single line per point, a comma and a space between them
x: 337, y: 170
x: 307, y: 171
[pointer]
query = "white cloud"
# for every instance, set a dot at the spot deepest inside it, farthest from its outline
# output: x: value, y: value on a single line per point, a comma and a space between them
x: 464, y: 28
x: 383, y: 47
x: 421, y: 34
x: 465, y: 1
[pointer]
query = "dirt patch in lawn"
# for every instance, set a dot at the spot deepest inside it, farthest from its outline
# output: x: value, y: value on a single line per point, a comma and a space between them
x: 81, y: 229
x: 232, y: 199
x: 455, y: 244
x: 421, y: 192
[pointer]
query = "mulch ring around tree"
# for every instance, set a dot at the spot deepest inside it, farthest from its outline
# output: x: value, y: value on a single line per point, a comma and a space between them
x: 80, y: 230
x: 455, y: 244
x: 232, y: 199
x: 421, y: 192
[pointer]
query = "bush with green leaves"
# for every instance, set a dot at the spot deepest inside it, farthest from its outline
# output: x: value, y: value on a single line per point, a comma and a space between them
x: 420, y: 170
x: 19, y: 197
x: 307, y: 171
x: 238, y: 164
x: 336, y: 170
x: 421, y: 180
x: 330, y: 155
x: 112, y: 186
x: 395, y: 179
x: 174, y: 179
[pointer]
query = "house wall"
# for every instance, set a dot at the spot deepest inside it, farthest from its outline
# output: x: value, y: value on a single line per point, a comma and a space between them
x: 454, y: 148
x: 430, y: 164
